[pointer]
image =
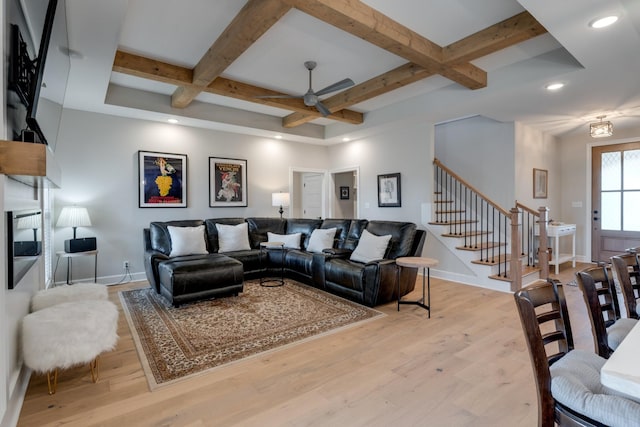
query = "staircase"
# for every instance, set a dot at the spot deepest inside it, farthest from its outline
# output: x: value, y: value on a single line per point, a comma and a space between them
x: 498, y: 247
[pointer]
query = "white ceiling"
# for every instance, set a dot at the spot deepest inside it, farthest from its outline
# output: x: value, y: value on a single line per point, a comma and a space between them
x: 600, y: 68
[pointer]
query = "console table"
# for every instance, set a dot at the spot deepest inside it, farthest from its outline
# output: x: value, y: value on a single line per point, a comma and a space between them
x: 69, y: 256
x: 555, y: 232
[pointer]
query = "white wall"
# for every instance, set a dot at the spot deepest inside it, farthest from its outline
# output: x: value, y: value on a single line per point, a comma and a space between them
x: 408, y: 150
x: 98, y: 157
x: 481, y: 151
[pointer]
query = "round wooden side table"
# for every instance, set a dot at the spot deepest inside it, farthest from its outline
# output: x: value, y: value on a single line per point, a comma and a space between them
x: 417, y: 262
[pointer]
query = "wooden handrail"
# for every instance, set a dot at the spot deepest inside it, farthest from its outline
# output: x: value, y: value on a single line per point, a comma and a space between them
x: 526, y: 208
x: 471, y: 187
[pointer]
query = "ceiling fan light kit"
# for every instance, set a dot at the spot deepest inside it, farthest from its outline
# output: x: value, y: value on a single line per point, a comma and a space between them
x: 311, y: 98
x: 601, y: 129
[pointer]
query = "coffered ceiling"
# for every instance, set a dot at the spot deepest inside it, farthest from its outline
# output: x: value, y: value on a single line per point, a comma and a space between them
x: 210, y: 64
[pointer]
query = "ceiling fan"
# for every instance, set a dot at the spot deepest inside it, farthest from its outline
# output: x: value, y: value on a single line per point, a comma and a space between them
x: 311, y: 98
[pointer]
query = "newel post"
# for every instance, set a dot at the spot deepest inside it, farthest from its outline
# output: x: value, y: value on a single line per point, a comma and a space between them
x: 543, y: 243
x: 515, y: 265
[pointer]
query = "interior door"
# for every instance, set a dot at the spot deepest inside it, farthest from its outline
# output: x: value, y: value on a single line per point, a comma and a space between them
x: 312, y: 195
x: 615, y: 206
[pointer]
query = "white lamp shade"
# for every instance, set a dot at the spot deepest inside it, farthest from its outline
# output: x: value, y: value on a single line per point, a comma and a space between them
x: 74, y: 216
x: 280, y: 199
x: 30, y: 221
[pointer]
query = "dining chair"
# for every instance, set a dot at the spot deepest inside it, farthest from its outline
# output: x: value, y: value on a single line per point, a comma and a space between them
x: 567, y: 380
x: 628, y: 273
x: 607, y: 328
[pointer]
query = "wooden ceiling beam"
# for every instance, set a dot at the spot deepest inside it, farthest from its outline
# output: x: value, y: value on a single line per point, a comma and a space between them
x: 504, y: 34
x: 511, y: 31
x: 368, y: 24
x: 255, y: 18
x: 139, y: 66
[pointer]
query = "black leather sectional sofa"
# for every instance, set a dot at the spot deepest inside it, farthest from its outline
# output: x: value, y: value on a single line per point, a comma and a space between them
x: 191, y: 277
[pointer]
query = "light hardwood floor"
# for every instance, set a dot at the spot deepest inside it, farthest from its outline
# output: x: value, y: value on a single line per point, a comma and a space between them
x: 466, y: 366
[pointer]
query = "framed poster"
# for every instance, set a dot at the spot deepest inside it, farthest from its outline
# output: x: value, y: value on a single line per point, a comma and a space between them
x: 389, y: 191
x: 227, y: 182
x: 540, y: 183
x: 162, y: 180
x: 344, y: 193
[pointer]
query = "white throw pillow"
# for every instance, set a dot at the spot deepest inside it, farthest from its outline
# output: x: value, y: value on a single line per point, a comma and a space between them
x: 370, y: 247
x: 187, y: 240
x: 291, y: 241
x: 233, y: 237
x: 321, y: 238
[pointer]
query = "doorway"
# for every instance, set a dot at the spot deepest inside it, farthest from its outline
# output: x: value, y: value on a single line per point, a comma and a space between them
x: 344, y: 193
x: 615, y: 199
x: 307, y: 188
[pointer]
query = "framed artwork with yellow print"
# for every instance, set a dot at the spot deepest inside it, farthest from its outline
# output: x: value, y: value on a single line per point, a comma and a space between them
x: 163, y: 180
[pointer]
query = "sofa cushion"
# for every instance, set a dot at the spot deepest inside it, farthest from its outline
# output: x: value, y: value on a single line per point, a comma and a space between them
x: 212, y: 231
x: 370, y: 247
x: 258, y: 228
x: 355, y: 231
x: 305, y: 226
x: 233, y: 237
x: 402, y: 234
x: 291, y: 241
x: 321, y: 239
x: 159, y: 235
x: 187, y: 240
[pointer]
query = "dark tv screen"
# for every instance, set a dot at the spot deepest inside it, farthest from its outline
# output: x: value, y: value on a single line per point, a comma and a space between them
x: 24, y: 243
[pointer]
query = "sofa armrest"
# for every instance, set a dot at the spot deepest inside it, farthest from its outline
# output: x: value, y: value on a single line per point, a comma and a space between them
x: 151, y: 260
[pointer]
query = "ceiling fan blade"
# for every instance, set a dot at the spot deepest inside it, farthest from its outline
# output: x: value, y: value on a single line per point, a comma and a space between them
x: 323, y: 110
x: 342, y: 84
x: 279, y: 96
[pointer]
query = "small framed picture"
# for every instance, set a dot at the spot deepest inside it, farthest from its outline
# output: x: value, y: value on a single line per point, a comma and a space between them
x: 344, y: 193
x: 162, y: 180
x: 227, y: 182
x: 389, y: 191
x: 540, y: 183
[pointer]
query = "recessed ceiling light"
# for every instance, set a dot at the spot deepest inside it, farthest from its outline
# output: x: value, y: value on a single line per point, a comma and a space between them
x: 172, y: 121
x: 554, y: 86
x: 345, y: 139
x: 603, y: 22
x: 278, y: 136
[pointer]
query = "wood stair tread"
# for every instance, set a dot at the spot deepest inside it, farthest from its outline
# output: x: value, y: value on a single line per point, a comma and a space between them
x: 526, y: 271
x: 467, y: 234
x: 449, y: 212
x: 456, y: 222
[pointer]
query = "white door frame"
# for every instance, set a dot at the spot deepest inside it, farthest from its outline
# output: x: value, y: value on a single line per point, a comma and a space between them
x: 294, y: 169
x: 332, y: 184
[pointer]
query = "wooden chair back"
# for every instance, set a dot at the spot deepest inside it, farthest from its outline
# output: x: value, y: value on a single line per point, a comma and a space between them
x: 596, y: 286
x: 628, y: 272
x: 545, y: 320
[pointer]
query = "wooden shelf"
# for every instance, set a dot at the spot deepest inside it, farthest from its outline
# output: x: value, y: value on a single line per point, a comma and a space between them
x: 30, y: 163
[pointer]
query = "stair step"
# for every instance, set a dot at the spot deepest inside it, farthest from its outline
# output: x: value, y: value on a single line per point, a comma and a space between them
x: 455, y: 222
x: 449, y: 212
x: 467, y: 234
x: 442, y: 201
x: 481, y: 246
x: 526, y: 271
x: 495, y: 260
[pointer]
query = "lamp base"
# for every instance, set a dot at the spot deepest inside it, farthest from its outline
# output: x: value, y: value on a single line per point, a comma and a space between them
x: 80, y: 245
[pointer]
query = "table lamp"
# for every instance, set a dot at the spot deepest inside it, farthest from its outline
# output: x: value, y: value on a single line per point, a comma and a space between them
x: 280, y: 199
x: 76, y: 216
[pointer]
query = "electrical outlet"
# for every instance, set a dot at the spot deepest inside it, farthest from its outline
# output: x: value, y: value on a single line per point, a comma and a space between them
x: 125, y: 265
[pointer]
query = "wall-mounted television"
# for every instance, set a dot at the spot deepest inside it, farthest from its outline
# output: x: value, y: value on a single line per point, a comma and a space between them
x: 24, y: 243
x: 38, y: 69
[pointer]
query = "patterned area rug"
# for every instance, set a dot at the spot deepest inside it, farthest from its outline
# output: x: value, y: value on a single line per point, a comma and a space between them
x: 177, y: 343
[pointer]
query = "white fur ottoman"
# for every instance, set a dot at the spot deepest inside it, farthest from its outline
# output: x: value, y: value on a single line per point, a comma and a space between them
x: 68, y: 334
x: 66, y: 293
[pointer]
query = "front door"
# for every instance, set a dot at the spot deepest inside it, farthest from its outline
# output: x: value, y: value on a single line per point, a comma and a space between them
x: 615, y: 206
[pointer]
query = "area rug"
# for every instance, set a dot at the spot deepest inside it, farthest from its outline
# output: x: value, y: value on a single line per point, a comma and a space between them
x: 178, y: 343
